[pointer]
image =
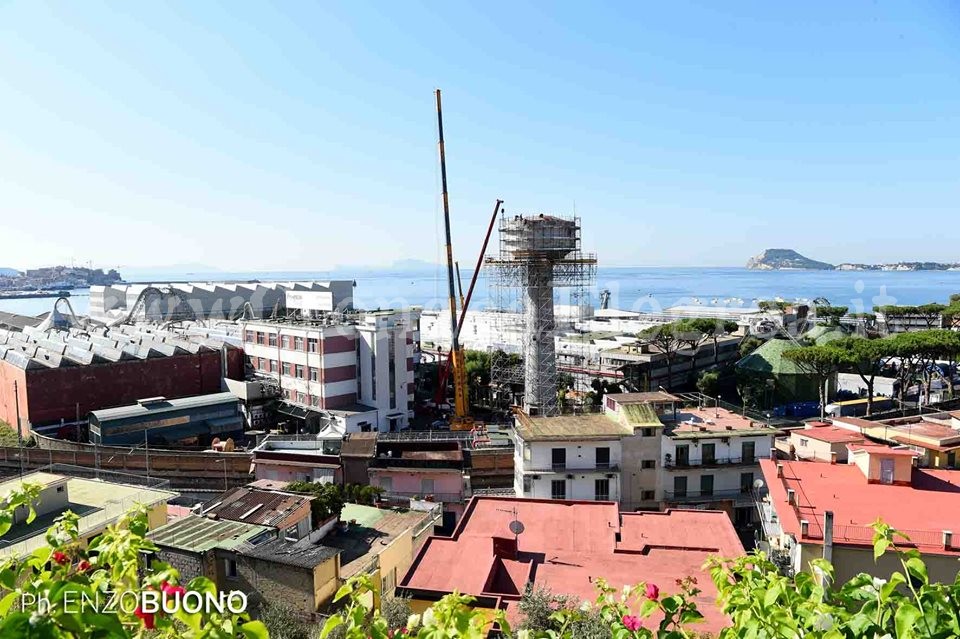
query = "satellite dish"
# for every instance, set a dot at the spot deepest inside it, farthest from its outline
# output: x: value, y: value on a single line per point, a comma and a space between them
x: 758, y: 484
x: 516, y: 527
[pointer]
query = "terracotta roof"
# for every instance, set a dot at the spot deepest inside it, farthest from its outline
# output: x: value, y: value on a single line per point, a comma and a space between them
x: 566, y: 545
x: 931, y: 501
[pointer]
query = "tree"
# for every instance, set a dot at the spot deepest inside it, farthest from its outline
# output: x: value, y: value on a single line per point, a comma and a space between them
x: 749, y: 344
x: 772, y: 305
x: 821, y: 362
x: 708, y: 330
x: 328, y: 499
x: 668, y: 338
x: 477, y: 365
x: 600, y: 388
x: 866, y: 324
x: 866, y: 358
x: 709, y: 383
x: 831, y: 313
x: 929, y: 314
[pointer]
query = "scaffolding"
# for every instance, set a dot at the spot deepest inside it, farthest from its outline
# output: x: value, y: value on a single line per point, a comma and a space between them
x: 537, y: 255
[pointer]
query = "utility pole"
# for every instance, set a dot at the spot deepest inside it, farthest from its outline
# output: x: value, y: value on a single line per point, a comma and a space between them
x: 16, y: 408
x: 146, y: 449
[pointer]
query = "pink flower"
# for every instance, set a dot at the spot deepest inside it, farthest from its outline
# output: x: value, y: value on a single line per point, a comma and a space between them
x: 653, y: 592
x: 60, y: 558
x: 83, y: 565
x: 631, y: 622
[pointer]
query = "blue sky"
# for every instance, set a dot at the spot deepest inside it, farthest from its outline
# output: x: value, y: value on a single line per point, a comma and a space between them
x: 303, y: 135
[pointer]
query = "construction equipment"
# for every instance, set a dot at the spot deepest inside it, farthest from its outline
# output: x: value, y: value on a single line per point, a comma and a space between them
x: 456, y: 362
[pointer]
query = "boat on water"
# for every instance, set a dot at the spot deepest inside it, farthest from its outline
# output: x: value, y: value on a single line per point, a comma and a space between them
x: 22, y: 295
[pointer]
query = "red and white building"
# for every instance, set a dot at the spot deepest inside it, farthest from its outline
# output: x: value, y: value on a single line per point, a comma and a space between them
x: 353, y: 374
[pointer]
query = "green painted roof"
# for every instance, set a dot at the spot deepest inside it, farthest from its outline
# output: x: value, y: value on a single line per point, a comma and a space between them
x: 199, y: 534
x: 769, y: 359
x: 640, y: 415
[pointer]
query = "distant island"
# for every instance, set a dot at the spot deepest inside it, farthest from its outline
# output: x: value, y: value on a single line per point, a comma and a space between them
x: 785, y: 259
x: 788, y: 259
x: 56, y: 278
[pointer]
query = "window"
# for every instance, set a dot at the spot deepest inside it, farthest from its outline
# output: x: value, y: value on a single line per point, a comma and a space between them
x: 746, y: 482
x: 426, y: 486
x: 558, y: 458
x: 298, y: 343
x: 679, y: 486
x: 286, y: 369
x: 647, y: 495
x: 392, y: 367
x: 230, y: 568
x: 387, y: 484
x: 683, y: 455
x: 709, y: 454
x: 274, y: 366
x: 706, y: 485
x: 748, y: 452
x: 389, y: 582
x: 60, y: 489
x: 249, y: 336
x: 527, y: 485
x: 301, y: 399
x: 601, y: 489
x: 648, y: 463
x: 314, y: 374
x: 648, y: 432
x: 558, y: 489
x: 311, y: 345
x: 299, y: 371
x: 804, y: 441
x: 285, y: 342
x: 272, y: 339
x: 291, y: 533
x: 526, y: 452
x: 603, y: 457
x: 261, y: 339
x: 742, y: 516
x: 315, y: 400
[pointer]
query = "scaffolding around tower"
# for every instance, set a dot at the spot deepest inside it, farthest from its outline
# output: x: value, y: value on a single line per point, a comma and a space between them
x: 538, y: 254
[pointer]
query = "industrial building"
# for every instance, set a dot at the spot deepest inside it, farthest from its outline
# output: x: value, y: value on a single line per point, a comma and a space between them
x: 338, y: 373
x: 172, y: 301
x: 61, y: 375
x: 161, y: 421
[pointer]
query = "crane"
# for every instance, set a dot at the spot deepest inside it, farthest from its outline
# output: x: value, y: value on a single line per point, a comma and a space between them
x: 456, y: 361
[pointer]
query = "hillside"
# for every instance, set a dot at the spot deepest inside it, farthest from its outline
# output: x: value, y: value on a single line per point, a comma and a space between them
x: 8, y: 272
x: 775, y: 259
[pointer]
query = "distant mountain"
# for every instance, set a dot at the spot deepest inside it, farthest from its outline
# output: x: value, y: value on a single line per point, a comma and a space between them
x: 8, y: 272
x: 777, y: 259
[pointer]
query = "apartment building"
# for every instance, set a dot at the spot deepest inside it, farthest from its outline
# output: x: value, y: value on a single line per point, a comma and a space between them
x: 338, y: 373
x: 568, y: 457
x: 711, y: 460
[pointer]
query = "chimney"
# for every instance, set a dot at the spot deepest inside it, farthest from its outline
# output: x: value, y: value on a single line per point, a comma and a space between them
x: 791, y: 497
x: 947, y: 539
x: 780, y: 471
x: 804, y: 528
x: 504, y: 548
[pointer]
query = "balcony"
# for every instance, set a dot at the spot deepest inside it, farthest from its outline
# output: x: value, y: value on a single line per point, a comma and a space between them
x: 716, y: 462
x: 738, y: 495
x: 579, y: 468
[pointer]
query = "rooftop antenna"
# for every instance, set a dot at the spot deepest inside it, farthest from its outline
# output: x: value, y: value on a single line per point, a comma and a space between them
x: 516, y: 526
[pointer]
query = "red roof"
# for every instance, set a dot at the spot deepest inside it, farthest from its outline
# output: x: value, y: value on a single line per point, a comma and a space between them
x: 932, y: 502
x: 830, y: 434
x: 566, y: 546
x: 881, y: 450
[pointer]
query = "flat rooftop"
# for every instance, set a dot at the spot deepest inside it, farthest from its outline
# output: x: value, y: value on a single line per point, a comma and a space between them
x: 98, y: 503
x: 199, y: 534
x: 829, y: 434
x: 693, y: 423
x: 376, y: 529
x: 566, y: 545
x: 643, y: 398
x: 922, y: 510
x: 160, y: 406
x: 565, y: 427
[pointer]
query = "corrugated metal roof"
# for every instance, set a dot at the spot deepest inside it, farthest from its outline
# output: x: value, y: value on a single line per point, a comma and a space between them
x: 140, y: 410
x: 198, y: 534
x: 301, y: 554
x: 265, y: 507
